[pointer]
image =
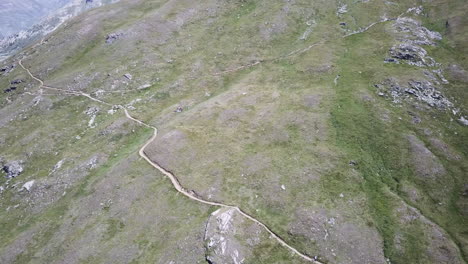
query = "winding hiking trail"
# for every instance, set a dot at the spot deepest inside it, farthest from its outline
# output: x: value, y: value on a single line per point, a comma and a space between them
x: 175, y: 182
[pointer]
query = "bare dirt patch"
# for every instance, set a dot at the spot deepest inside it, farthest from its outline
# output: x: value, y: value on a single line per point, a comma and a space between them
x: 339, y: 240
x: 426, y: 164
x: 440, y: 248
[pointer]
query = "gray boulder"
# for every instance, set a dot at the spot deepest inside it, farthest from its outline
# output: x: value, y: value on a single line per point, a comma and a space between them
x: 13, y: 169
x: 128, y: 76
x: 425, y: 91
x: 16, y: 81
x: 411, y: 54
x: 111, y: 38
x: 463, y: 121
x: 6, y: 69
x: 414, y: 33
x: 222, y: 235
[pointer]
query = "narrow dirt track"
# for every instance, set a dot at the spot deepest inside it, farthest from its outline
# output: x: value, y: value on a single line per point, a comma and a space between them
x: 175, y: 182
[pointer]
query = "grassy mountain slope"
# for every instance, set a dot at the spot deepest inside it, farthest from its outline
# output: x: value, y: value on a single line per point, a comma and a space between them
x: 283, y: 108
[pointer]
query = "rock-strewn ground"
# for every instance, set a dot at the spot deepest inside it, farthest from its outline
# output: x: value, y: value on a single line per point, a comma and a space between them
x: 340, y: 125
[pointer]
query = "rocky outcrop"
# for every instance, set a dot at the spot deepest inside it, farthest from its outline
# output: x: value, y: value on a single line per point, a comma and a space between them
x: 421, y: 90
x: 222, y: 246
x: 463, y: 120
x: 92, y: 113
x: 412, y: 36
x: 6, y: 69
x: 113, y: 37
x: 426, y: 87
x: 426, y: 92
x: 128, y: 76
x: 342, y: 9
x: 16, y: 81
x: 12, y: 169
x: 411, y: 54
x: 11, y: 89
x: 411, y: 31
x: 28, y: 185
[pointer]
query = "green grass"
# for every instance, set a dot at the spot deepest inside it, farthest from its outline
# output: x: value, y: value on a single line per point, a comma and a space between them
x: 309, y: 148
x: 382, y: 153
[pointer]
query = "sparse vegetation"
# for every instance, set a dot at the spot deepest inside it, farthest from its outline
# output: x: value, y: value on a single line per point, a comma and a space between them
x: 249, y: 114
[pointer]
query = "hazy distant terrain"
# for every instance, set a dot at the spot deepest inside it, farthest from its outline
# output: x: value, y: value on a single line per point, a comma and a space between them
x: 19, y: 15
x: 22, y: 23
